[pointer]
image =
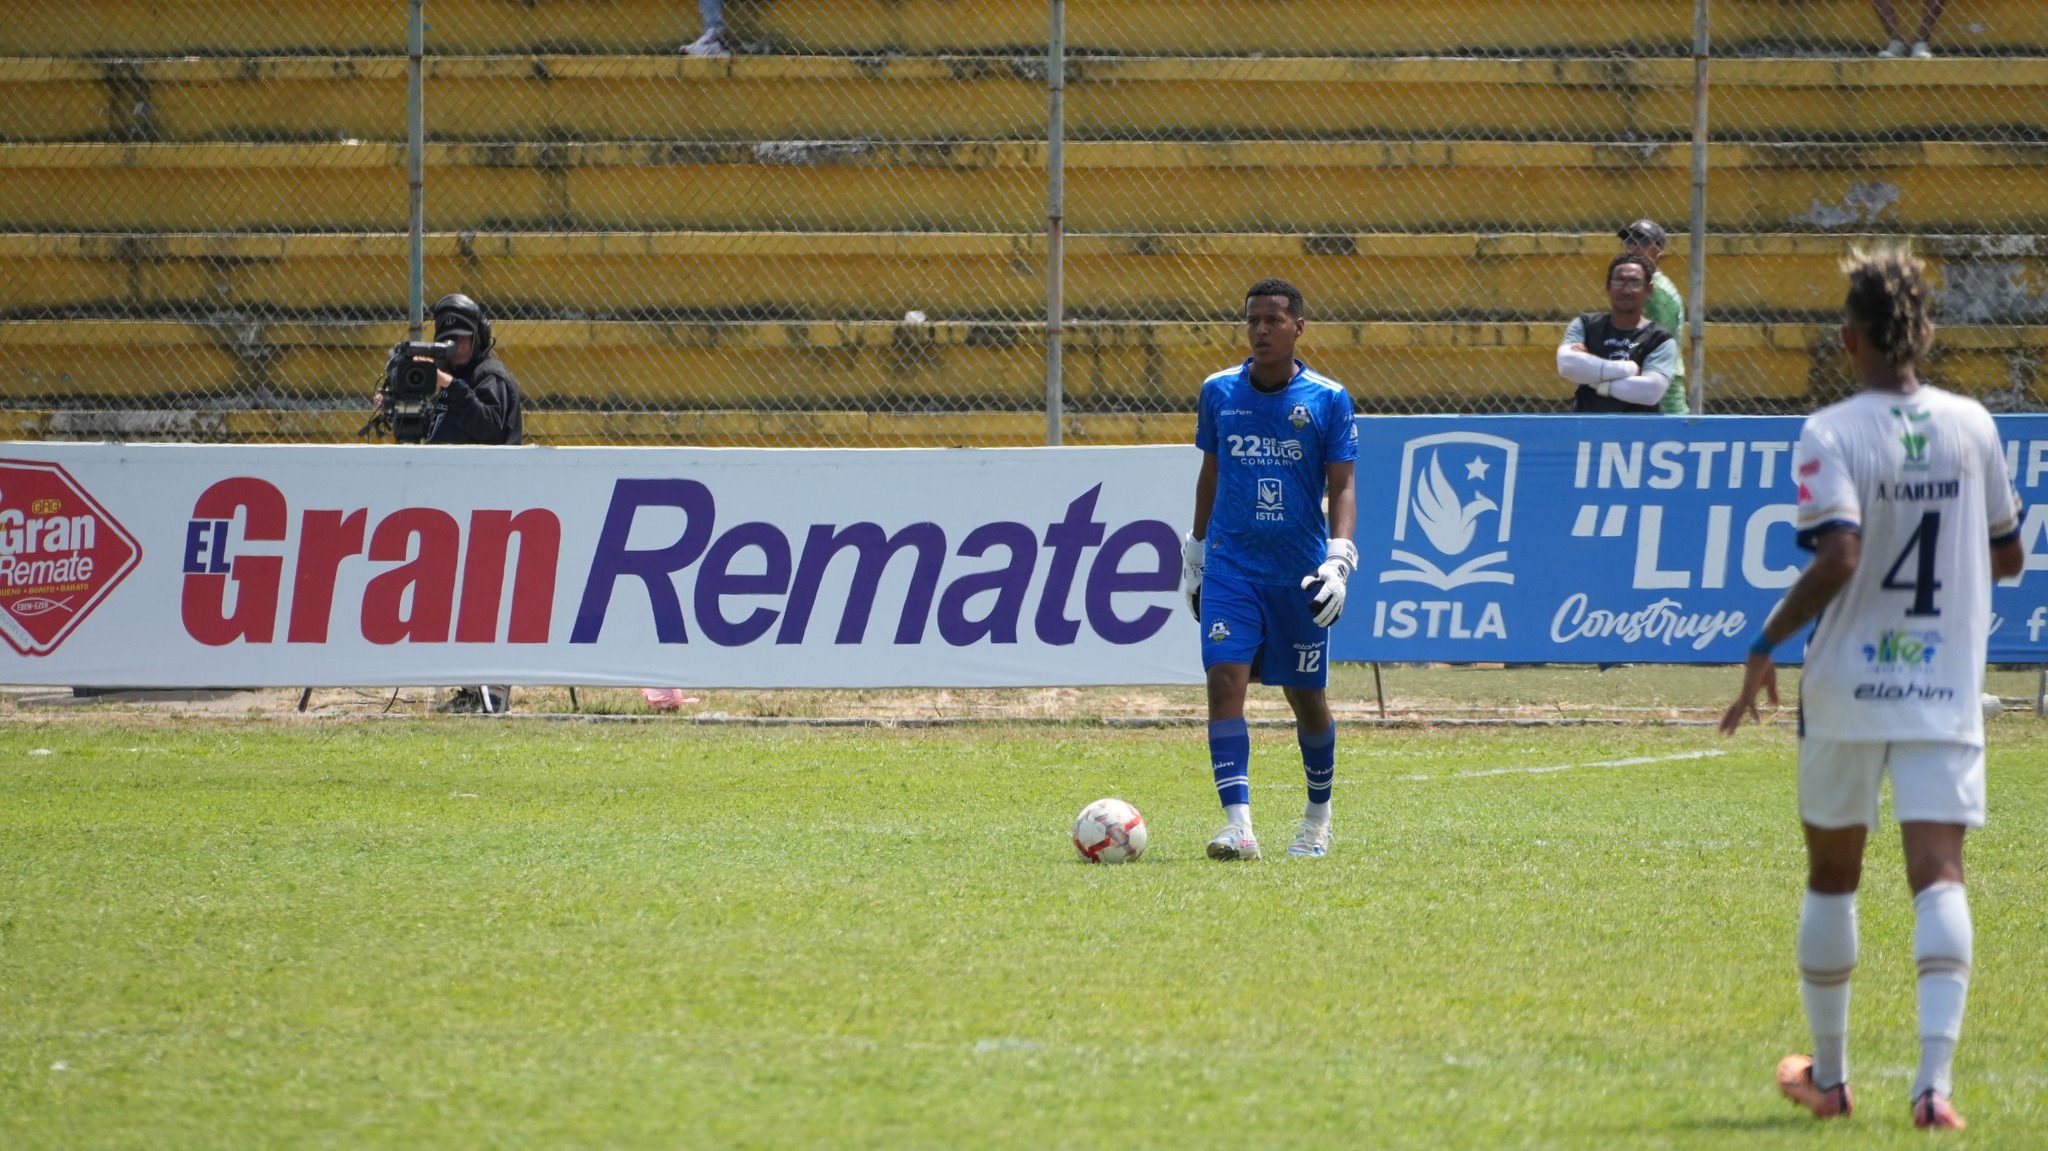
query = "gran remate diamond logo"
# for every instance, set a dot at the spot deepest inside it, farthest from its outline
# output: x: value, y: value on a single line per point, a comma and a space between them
x: 60, y: 554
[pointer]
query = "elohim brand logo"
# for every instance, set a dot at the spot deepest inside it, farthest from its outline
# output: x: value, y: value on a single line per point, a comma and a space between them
x: 1451, y: 522
x: 60, y: 554
x: 1894, y: 692
x: 1271, y: 500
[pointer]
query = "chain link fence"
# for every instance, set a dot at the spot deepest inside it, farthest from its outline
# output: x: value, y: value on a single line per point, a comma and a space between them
x: 828, y: 224
x: 1841, y: 131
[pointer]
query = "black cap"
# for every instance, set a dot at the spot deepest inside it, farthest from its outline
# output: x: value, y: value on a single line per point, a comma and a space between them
x: 1644, y: 232
x: 453, y: 323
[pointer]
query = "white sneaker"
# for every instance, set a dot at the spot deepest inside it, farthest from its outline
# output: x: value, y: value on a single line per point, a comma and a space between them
x: 1892, y: 51
x: 1234, y: 842
x: 710, y: 43
x: 1311, y: 842
x: 1921, y: 51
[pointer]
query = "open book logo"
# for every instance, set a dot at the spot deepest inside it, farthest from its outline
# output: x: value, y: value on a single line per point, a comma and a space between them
x: 1455, y: 486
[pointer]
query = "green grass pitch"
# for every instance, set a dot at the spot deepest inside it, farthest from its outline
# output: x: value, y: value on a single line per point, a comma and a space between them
x: 529, y: 934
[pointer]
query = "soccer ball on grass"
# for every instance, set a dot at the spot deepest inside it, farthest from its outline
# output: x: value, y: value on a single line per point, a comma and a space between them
x: 1109, y: 831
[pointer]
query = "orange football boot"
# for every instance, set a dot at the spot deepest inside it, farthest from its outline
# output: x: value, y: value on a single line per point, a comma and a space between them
x: 1795, y: 1079
x: 1933, y: 1112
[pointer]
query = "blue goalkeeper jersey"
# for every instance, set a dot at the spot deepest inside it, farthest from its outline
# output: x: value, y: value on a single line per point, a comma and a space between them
x: 1271, y: 452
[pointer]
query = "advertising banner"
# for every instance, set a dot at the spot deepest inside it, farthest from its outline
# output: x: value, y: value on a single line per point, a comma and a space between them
x: 1574, y: 539
x: 168, y: 565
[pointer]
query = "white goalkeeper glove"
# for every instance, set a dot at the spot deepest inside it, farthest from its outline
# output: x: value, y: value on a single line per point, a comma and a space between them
x: 1194, y: 555
x: 1327, y: 584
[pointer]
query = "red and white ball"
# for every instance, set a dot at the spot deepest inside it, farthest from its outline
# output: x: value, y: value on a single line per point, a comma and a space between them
x: 1109, y: 831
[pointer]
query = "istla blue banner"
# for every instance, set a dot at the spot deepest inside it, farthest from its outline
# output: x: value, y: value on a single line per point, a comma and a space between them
x: 1577, y: 539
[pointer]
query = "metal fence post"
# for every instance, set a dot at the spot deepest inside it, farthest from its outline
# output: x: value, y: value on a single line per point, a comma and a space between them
x: 1055, y: 218
x: 415, y: 162
x: 1696, y: 299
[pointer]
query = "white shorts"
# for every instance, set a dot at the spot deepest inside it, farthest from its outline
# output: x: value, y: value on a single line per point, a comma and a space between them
x: 1932, y: 782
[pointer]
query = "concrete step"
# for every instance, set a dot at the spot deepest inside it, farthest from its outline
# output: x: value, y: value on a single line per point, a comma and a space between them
x: 1129, y: 27
x: 950, y: 276
x: 1110, y: 366
x: 1264, y: 185
x: 559, y: 97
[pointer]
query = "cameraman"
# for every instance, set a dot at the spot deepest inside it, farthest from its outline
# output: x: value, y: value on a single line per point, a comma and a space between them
x: 476, y: 401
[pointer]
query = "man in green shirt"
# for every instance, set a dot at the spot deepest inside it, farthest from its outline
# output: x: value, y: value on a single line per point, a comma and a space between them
x: 1645, y: 238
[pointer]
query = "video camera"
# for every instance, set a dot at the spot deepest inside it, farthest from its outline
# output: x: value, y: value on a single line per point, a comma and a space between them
x: 411, y: 381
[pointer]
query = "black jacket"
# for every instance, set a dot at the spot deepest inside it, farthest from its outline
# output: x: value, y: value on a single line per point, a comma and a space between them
x: 481, y: 407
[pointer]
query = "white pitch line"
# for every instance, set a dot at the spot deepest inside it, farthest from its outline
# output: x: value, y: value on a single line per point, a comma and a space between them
x: 1633, y: 761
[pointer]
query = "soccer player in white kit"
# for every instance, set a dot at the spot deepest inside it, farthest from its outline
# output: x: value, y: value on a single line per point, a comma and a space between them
x: 1906, y: 503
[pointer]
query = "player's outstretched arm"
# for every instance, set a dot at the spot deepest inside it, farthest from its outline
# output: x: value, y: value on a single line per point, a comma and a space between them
x: 1836, y: 556
x: 1327, y: 584
x: 2008, y: 559
x: 1194, y: 552
x: 1342, y: 481
x: 1205, y: 495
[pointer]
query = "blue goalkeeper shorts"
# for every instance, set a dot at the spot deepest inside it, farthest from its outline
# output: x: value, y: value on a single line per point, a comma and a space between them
x: 1270, y: 627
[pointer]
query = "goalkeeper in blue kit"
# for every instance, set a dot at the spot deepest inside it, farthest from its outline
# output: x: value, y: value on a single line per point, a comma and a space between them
x: 1263, y: 570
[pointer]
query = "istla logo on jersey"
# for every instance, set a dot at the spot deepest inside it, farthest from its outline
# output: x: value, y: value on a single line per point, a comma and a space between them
x: 1272, y: 501
x: 1458, y: 490
x: 1298, y: 417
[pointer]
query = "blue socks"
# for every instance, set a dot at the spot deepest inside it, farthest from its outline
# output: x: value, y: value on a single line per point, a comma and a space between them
x: 1318, y: 761
x: 1230, y: 757
x: 1230, y: 753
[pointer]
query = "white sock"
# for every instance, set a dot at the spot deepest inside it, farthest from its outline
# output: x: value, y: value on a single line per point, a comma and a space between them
x: 1238, y: 815
x: 1827, y: 957
x: 1942, y: 945
x: 1317, y: 813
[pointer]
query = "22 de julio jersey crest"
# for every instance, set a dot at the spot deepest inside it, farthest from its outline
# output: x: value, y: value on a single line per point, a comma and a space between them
x: 60, y: 554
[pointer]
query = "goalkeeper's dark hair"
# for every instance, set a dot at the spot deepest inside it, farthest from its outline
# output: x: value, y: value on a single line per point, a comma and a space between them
x: 1889, y: 302
x: 1271, y: 286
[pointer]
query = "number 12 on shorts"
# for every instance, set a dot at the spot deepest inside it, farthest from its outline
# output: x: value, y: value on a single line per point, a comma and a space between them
x: 1309, y: 661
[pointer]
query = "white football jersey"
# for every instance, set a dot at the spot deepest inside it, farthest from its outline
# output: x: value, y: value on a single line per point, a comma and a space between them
x: 1899, y: 654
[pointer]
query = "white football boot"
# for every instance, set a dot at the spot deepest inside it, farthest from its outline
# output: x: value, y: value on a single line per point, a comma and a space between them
x: 1311, y: 842
x: 1234, y: 842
